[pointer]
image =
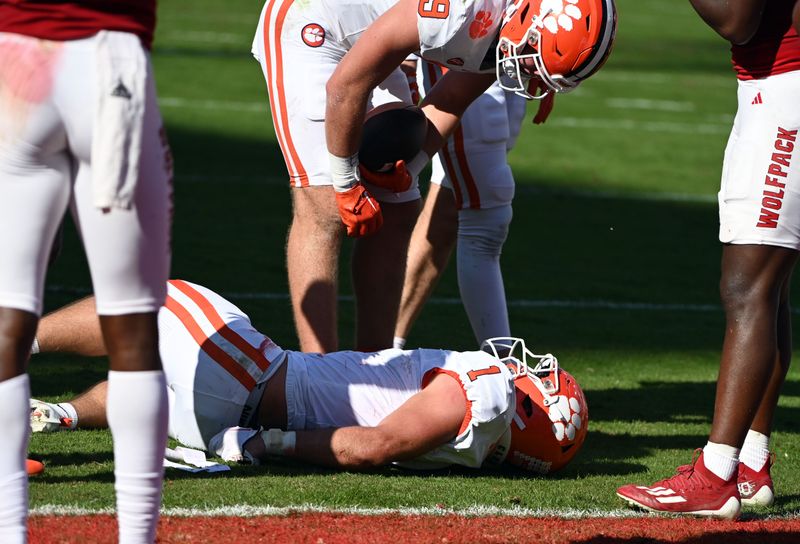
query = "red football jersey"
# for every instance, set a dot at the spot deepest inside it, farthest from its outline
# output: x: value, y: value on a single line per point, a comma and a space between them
x: 53, y: 20
x: 775, y: 49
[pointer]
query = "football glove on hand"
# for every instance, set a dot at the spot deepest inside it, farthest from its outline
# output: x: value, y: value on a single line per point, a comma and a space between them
x: 229, y: 445
x: 360, y: 213
x: 397, y: 180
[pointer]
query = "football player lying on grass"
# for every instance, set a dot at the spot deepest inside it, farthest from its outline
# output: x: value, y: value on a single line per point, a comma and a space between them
x: 234, y: 392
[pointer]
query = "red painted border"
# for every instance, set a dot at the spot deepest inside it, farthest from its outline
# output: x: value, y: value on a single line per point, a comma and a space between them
x: 359, y: 529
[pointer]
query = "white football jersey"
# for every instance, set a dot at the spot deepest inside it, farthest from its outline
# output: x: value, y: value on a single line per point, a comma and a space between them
x: 460, y: 35
x: 352, y: 388
x: 457, y: 34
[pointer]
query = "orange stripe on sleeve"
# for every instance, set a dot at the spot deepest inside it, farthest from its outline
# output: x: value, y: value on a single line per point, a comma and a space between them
x: 208, y: 346
x: 216, y: 320
x: 432, y: 373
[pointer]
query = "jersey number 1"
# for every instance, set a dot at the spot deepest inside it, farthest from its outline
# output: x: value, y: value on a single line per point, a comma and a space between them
x: 475, y: 374
x: 434, y: 9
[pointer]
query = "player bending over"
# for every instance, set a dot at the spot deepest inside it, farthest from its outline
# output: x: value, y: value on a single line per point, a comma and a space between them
x: 425, y: 408
x: 326, y: 62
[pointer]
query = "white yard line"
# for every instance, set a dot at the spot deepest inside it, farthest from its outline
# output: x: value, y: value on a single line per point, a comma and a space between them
x: 253, y: 511
x: 640, y: 126
x: 245, y: 510
x: 649, y: 104
x: 216, y: 105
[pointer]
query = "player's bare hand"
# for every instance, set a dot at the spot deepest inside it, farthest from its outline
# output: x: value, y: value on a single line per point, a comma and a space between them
x: 397, y: 180
x: 360, y: 213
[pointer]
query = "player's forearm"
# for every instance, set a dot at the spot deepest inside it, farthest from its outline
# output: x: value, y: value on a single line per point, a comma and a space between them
x: 344, y: 114
x: 446, y: 103
x: 72, y: 329
x: 735, y: 20
x: 352, y: 448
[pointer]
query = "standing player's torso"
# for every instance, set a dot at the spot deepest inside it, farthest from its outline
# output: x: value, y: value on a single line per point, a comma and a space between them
x: 775, y: 49
x: 61, y: 21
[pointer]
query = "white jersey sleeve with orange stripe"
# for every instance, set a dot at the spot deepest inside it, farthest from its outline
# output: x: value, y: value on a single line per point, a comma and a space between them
x: 351, y: 388
x: 213, y: 359
x: 460, y: 34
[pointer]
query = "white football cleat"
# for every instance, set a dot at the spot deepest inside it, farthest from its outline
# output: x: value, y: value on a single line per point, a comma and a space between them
x: 48, y: 418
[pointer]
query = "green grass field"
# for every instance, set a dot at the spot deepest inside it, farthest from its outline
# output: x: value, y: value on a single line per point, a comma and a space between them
x: 612, y: 264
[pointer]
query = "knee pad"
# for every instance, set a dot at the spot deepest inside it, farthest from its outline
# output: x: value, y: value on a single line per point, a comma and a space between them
x: 484, y: 231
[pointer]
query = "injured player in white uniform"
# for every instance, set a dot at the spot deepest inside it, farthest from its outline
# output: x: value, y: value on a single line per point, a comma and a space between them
x: 234, y: 392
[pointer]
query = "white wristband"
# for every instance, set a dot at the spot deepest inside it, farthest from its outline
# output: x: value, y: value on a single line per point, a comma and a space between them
x: 344, y: 172
x: 278, y: 442
x: 415, y: 165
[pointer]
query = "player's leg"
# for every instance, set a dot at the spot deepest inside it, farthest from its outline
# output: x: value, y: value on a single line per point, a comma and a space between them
x: 429, y: 251
x: 752, y: 285
x: 312, y: 260
x: 378, y: 269
x: 86, y: 411
x: 379, y: 261
x: 755, y: 459
x: 34, y: 176
x: 128, y: 253
x: 74, y: 328
x: 481, y: 235
x: 295, y: 74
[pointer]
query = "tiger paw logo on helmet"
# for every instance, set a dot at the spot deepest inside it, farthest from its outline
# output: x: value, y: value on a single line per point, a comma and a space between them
x: 551, y: 418
x: 566, y: 417
x: 555, y: 14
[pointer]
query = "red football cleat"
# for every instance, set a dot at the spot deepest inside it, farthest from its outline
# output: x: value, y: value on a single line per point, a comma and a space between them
x: 694, y: 491
x: 756, y: 488
x: 34, y: 467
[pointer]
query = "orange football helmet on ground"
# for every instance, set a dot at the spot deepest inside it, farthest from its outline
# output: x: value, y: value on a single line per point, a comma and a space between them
x: 560, y: 42
x: 551, y: 419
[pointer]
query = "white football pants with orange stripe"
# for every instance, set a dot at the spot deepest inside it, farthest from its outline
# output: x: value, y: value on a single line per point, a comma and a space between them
x: 214, y: 361
x: 48, y: 92
x: 298, y: 53
x: 474, y: 165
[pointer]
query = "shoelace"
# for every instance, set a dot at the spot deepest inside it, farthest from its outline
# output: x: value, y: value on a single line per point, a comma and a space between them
x: 683, y: 479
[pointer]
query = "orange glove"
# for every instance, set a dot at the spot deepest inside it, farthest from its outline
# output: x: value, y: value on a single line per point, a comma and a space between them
x: 397, y: 180
x: 360, y: 213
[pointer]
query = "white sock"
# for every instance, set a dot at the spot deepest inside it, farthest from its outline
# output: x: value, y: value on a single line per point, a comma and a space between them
x: 481, y: 235
x: 14, y: 406
x: 68, y: 411
x: 755, y: 450
x: 137, y: 416
x: 721, y: 459
x: 399, y: 342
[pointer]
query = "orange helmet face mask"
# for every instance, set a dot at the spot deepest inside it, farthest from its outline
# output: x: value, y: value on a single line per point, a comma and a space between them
x: 560, y: 42
x: 551, y: 420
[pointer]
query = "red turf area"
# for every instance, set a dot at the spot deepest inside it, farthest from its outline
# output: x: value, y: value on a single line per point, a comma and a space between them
x: 340, y: 528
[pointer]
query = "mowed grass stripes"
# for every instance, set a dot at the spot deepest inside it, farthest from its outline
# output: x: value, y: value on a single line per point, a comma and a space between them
x: 595, y: 219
